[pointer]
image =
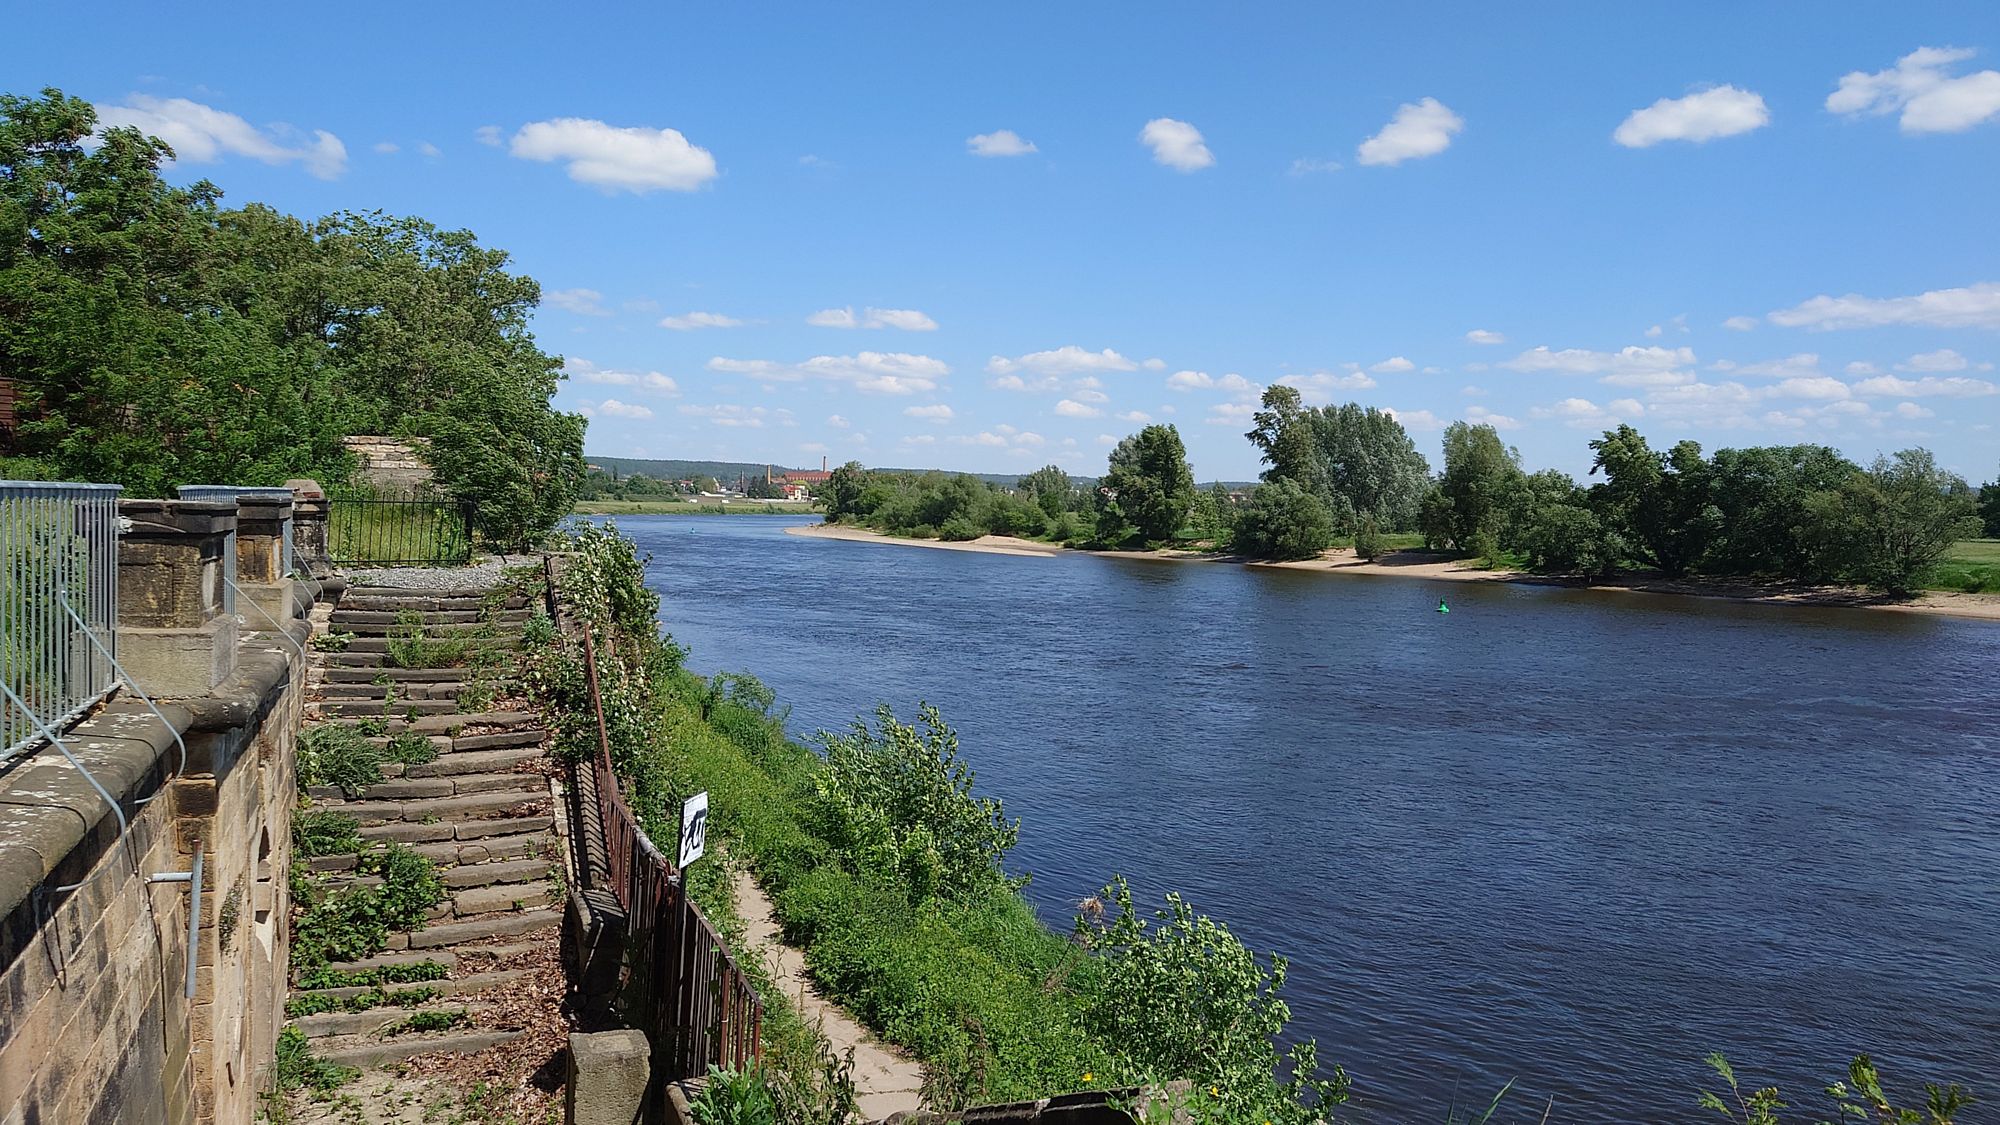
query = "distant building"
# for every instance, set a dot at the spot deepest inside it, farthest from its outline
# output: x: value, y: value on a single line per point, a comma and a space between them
x: 797, y: 483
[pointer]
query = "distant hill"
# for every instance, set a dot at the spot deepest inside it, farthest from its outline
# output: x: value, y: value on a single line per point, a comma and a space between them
x: 729, y: 470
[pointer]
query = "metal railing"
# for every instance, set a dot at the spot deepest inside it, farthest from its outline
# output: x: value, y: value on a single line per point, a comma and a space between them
x: 58, y: 591
x: 681, y: 986
x: 398, y: 531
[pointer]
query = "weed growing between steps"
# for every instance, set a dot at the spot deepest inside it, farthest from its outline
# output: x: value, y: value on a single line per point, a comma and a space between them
x: 299, y: 1069
x: 314, y: 1003
x: 347, y: 923
x: 410, y: 749
x: 318, y: 832
x: 408, y: 972
x: 338, y: 755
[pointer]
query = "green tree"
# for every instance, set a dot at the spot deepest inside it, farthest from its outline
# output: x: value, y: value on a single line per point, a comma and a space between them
x: 1371, y: 465
x: 1910, y: 513
x: 1657, y: 503
x: 1989, y: 509
x: 1211, y: 515
x: 1147, y: 488
x: 1050, y: 488
x: 1481, y: 482
x: 1285, y: 521
x: 842, y: 492
x: 1283, y: 432
x: 1368, y: 541
x: 1773, y: 501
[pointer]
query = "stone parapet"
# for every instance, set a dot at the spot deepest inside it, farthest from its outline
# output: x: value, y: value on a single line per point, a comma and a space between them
x: 263, y: 527
x: 172, y: 560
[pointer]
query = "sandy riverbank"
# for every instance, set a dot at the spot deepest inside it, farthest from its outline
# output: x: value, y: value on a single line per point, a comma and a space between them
x: 1420, y: 564
x: 985, y: 544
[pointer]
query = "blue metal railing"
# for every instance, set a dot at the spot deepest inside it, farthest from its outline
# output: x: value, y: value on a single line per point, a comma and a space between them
x: 58, y: 591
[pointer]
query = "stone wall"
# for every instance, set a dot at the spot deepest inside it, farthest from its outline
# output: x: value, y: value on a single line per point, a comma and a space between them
x: 95, y: 1023
x: 392, y: 465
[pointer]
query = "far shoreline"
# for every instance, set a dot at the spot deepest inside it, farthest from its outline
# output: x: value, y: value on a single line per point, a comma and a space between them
x: 1342, y: 561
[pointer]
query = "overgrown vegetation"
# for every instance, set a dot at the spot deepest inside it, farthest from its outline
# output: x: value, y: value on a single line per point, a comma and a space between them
x: 338, y: 755
x: 349, y: 922
x: 158, y: 338
x: 1858, y: 1097
x: 299, y: 1069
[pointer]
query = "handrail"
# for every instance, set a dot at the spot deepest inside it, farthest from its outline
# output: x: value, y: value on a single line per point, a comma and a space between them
x: 55, y: 538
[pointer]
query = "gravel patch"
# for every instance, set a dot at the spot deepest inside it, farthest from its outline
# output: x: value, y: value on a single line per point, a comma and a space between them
x: 488, y: 573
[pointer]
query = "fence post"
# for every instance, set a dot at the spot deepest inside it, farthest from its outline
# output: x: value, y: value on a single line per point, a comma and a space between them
x: 174, y: 637
x: 263, y: 524
x: 309, y: 514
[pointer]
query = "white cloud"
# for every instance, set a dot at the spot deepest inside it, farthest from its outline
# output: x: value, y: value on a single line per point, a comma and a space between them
x: 837, y: 422
x: 386, y: 148
x: 690, y: 322
x: 1912, y: 411
x: 1813, y: 387
x: 634, y: 158
x: 936, y: 412
x: 1740, y: 323
x: 430, y: 151
x: 487, y: 135
x: 583, y: 302
x: 1155, y: 364
x: 1861, y: 367
x: 920, y: 439
x: 1479, y: 415
x: 1087, y: 394
x: 1944, y: 359
x: 889, y: 373
x: 1202, y: 380
x: 1230, y: 413
x: 1106, y: 439
x: 1176, y: 144
x: 1654, y: 332
x: 983, y: 437
x: 1801, y: 364
x: 1930, y: 386
x: 1920, y: 85
x: 1583, y: 414
x: 1648, y: 379
x: 734, y: 415
x: 1974, y: 306
x: 1419, y: 129
x: 646, y: 380
x: 1000, y: 142
x: 615, y: 409
x: 1470, y: 390
x: 1137, y: 417
x: 1070, y: 408
x: 1319, y: 387
x: 1723, y: 111
x: 201, y: 134
x: 1066, y: 360
x: 909, y: 320
x: 1306, y: 166
x: 1482, y: 336
x: 1415, y: 419
x: 1017, y: 383
x: 1581, y: 361
x: 1393, y: 365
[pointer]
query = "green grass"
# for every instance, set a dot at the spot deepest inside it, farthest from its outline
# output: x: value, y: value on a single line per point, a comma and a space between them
x: 363, y: 533
x: 1973, y: 566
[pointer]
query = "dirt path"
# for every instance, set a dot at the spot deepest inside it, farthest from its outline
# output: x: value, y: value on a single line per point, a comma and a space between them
x: 886, y: 1080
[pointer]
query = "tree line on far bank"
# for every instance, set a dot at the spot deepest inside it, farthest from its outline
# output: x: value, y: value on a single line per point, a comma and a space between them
x: 1350, y: 473
x: 156, y: 338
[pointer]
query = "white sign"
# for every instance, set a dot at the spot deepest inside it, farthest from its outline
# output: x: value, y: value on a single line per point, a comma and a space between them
x: 694, y: 828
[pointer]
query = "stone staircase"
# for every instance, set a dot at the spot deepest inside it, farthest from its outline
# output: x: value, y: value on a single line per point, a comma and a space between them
x: 484, y: 810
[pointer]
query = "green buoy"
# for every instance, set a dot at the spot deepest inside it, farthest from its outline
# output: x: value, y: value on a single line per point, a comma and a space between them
x: 1443, y: 608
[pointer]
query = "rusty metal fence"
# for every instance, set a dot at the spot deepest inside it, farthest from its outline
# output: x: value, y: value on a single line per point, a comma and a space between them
x: 681, y: 985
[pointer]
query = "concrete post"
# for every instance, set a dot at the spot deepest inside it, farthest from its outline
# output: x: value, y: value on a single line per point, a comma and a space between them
x: 175, y: 638
x: 608, y: 1073
x: 310, y: 509
x: 262, y: 527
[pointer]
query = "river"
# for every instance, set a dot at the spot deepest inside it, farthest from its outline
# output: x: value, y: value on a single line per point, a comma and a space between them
x: 1573, y: 839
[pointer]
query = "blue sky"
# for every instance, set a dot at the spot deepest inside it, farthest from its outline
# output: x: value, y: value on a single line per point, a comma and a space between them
x: 989, y: 238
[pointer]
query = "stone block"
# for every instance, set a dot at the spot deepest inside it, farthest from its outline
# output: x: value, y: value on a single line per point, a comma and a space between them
x: 608, y: 1073
x: 179, y: 663
x: 265, y: 606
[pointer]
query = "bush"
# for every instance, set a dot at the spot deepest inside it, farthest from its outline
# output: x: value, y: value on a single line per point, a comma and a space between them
x: 299, y: 1069
x: 411, y: 749
x: 1283, y: 521
x: 958, y: 529
x: 900, y: 801
x: 735, y: 1097
x: 333, y: 754
x: 351, y: 922
x: 1368, y: 542
x: 319, y: 832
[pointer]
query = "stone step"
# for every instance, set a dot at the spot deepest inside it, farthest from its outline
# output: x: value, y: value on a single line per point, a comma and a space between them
x: 376, y: 1021
x: 361, y: 1051
x: 429, y: 811
x: 449, y: 725
x: 417, y: 689
x: 451, y: 852
x: 365, y: 676
x: 478, y: 635
x: 443, y: 957
x: 410, y: 789
x: 463, y: 831
x: 345, y: 619
x: 391, y: 599
x: 472, y: 984
x: 401, y: 708
x: 504, y: 898
x: 433, y: 625
x: 496, y: 872
x: 492, y: 926
x: 518, y: 737
x: 455, y: 762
